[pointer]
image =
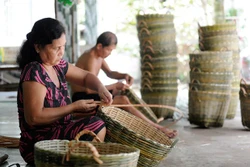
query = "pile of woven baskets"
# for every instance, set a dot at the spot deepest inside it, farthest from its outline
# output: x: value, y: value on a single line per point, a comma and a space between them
x: 224, y: 37
x: 210, y: 87
x: 158, y: 49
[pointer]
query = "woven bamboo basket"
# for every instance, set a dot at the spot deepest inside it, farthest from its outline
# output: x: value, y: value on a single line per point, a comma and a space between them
x: 64, y: 153
x: 217, y: 46
x: 212, y: 66
x: 159, y: 66
x: 159, y: 60
x: 208, y: 109
x: 134, y: 99
x: 234, y: 101
x: 158, y: 83
x: 222, y: 27
x: 153, y: 19
x: 212, y: 77
x: 220, y: 88
x: 202, y: 56
x: 216, y: 33
x: 245, y: 106
x: 127, y: 129
x: 144, y: 24
x: 159, y: 52
x: 169, y: 100
x: 168, y: 33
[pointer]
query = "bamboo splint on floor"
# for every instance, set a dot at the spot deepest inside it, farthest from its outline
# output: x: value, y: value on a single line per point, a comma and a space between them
x: 9, y: 142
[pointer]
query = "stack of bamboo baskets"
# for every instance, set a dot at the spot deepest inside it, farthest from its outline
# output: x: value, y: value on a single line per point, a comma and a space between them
x: 158, y: 49
x: 210, y: 87
x: 224, y: 37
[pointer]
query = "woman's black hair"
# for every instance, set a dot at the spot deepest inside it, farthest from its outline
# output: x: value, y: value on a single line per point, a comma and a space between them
x: 106, y: 39
x: 43, y: 32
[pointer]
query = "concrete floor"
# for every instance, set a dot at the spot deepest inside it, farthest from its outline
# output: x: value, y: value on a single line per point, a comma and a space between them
x: 228, y: 146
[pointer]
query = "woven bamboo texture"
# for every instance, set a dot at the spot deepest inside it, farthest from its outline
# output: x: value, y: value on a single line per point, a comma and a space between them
x: 212, y: 77
x: 127, y: 129
x: 208, y: 109
x: 234, y: 101
x: 245, y: 105
x: 61, y: 153
x: 201, y: 56
x: 134, y: 99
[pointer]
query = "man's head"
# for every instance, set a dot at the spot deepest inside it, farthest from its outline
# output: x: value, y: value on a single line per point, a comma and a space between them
x: 106, y: 42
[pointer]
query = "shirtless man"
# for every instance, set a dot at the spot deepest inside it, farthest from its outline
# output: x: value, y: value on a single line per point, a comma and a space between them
x: 93, y: 60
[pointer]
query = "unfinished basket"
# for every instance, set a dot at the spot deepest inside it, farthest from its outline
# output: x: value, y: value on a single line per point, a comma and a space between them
x: 125, y: 128
x: 134, y: 99
x: 64, y: 153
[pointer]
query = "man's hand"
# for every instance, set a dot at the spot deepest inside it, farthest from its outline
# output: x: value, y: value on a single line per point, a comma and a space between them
x: 129, y: 79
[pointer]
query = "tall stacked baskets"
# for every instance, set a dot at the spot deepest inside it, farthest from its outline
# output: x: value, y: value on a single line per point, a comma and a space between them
x: 210, y: 87
x: 158, y: 49
x: 224, y: 36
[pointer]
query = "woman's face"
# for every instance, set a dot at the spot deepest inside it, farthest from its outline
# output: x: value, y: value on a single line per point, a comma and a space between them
x: 51, y: 54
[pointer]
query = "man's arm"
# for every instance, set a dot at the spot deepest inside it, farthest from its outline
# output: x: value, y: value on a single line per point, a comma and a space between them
x: 115, y: 74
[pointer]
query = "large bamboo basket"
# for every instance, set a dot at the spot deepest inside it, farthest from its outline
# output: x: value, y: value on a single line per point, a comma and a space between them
x: 167, y: 33
x: 234, y: 101
x: 212, y: 77
x: 64, y: 153
x: 148, y: 20
x: 159, y: 66
x: 159, y: 27
x: 169, y: 100
x: 245, y: 106
x: 127, y: 129
x: 159, y: 52
x: 134, y: 99
x: 212, y: 66
x: 171, y: 59
x: 202, y: 56
x: 158, y: 83
x: 217, y: 46
x: 220, y: 88
x: 222, y: 27
x: 208, y: 109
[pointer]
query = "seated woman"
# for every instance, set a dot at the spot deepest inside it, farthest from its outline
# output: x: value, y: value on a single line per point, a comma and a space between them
x: 44, y: 106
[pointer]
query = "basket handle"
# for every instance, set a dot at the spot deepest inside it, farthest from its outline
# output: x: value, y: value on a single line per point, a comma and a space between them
x: 195, y: 81
x: 224, y: 49
x: 73, y: 146
x: 142, y: 30
x: 142, y: 24
x: 147, y: 73
x: 86, y: 131
x: 147, y: 41
x: 243, y: 91
x: 201, y: 46
x: 193, y: 88
x: 147, y: 81
x: 150, y: 48
x: 195, y: 69
x: 148, y: 86
x: 242, y: 80
x: 146, y: 56
x: 149, y: 64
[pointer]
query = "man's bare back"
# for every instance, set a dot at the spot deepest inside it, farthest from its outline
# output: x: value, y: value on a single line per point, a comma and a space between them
x: 89, y: 61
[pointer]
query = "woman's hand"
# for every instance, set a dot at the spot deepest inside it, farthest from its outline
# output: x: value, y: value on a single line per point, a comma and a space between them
x: 105, y: 95
x: 85, y: 106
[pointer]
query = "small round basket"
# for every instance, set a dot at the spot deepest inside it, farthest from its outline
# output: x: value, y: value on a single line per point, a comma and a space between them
x: 64, y: 153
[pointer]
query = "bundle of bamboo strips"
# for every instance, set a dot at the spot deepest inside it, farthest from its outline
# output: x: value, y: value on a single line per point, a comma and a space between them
x: 9, y: 142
